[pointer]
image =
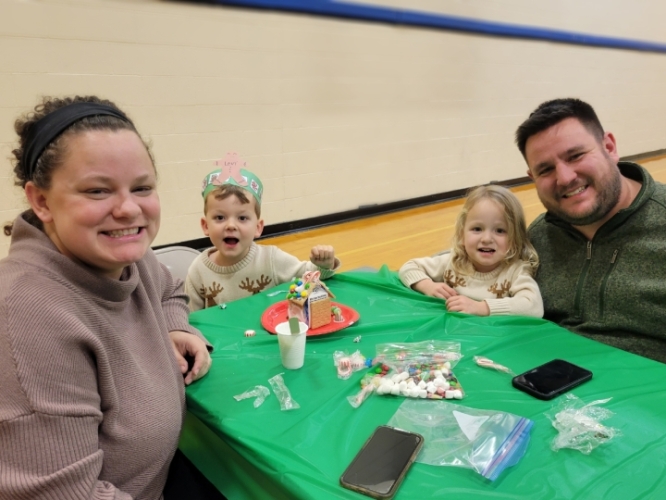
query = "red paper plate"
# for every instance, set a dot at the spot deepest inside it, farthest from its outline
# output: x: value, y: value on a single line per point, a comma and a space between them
x: 277, y: 314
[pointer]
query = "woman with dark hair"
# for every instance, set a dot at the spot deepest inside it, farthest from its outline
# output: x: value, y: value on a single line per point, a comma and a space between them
x: 93, y: 330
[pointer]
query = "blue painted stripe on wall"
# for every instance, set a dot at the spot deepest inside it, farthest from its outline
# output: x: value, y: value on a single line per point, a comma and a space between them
x: 441, y: 21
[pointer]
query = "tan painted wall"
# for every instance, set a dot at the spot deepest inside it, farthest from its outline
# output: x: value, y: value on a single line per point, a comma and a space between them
x: 331, y: 114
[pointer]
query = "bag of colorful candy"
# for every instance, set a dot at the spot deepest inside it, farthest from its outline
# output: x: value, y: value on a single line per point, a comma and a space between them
x: 420, y: 369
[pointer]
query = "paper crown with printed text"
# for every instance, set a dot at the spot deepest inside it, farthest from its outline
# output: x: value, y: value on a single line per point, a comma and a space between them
x: 230, y: 172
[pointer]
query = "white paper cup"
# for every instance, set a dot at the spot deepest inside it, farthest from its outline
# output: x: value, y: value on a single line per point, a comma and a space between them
x: 292, y: 346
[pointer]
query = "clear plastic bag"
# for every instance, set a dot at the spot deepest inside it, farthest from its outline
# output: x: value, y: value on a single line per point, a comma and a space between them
x: 282, y: 393
x: 346, y: 364
x: 578, y: 424
x: 420, y: 369
x: 259, y: 392
x: 487, y: 441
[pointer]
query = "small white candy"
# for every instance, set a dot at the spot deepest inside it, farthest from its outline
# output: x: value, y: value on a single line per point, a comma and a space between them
x: 448, y: 365
x: 445, y: 372
x: 402, y: 385
x: 422, y: 384
x: 431, y: 387
x: 414, y: 393
x: 438, y: 373
x: 250, y: 333
x: 448, y: 395
x: 395, y: 390
x: 404, y: 392
x: 404, y: 376
x: 457, y: 394
x: 396, y: 378
x: 387, y: 383
x: 423, y: 393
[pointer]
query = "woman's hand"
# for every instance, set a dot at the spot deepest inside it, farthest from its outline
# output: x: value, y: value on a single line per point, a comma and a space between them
x: 184, y: 344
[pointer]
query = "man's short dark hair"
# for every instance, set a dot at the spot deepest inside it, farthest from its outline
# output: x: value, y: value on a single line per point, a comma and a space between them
x: 553, y: 112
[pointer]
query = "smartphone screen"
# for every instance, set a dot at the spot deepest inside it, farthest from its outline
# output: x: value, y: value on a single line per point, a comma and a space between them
x: 380, y: 466
x: 551, y: 379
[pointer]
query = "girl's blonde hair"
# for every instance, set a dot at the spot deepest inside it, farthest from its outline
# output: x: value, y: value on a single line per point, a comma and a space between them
x: 520, y: 247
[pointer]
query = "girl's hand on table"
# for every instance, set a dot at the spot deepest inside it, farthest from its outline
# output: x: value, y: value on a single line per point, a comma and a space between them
x: 434, y: 289
x: 463, y: 304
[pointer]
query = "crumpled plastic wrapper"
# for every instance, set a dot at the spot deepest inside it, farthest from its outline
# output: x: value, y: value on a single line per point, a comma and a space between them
x: 579, y: 424
x: 282, y: 393
x: 259, y: 392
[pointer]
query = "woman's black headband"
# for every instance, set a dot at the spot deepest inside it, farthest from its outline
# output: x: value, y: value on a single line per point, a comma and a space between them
x: 45, y: 131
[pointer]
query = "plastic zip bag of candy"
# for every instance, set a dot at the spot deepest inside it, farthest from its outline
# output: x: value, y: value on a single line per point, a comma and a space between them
x: 487, y: 441
x: 420, y: 370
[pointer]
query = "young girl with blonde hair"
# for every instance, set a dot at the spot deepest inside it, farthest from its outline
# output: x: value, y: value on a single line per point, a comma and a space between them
x: 491, y: 265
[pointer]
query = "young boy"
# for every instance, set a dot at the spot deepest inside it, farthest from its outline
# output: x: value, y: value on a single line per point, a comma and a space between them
x: 237, y: 267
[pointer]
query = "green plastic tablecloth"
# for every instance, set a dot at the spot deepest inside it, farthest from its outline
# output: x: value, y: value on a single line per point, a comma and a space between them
x: 266, y: 453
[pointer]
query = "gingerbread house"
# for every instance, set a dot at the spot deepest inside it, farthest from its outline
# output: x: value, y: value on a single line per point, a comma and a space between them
x: 310, y: 300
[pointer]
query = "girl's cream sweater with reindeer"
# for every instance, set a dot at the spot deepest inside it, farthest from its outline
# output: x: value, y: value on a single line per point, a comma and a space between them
x: 264, y: 266
x: 506, y: 290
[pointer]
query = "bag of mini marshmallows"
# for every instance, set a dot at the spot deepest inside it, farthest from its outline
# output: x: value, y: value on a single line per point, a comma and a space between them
x: 419, y: 370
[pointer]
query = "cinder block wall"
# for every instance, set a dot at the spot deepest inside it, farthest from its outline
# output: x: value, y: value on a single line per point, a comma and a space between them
x: 331, y: 113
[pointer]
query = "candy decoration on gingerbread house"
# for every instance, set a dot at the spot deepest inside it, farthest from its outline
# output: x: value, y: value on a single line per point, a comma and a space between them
x: 310, y: 300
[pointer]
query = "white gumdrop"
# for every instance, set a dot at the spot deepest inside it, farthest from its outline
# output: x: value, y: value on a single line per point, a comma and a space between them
x: 457, y: 394
x: 448, y: 394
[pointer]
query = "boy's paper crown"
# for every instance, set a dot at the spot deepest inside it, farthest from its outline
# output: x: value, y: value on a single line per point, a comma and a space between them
x: 232, y: 173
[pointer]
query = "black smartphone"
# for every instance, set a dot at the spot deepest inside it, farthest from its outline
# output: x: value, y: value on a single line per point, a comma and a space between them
x: 381, y: 465
x: 551, y: 379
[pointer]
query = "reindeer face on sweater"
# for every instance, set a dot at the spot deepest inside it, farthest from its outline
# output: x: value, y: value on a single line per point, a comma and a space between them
x: 231, y: 226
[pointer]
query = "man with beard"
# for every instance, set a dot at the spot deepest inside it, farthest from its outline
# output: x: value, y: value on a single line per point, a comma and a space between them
x: 602, y: 241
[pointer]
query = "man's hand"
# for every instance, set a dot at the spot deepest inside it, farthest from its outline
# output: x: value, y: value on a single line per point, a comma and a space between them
x: 323, y: 256
x: 184, y: 344
x: 432, y: 289
x: 460, y: 303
